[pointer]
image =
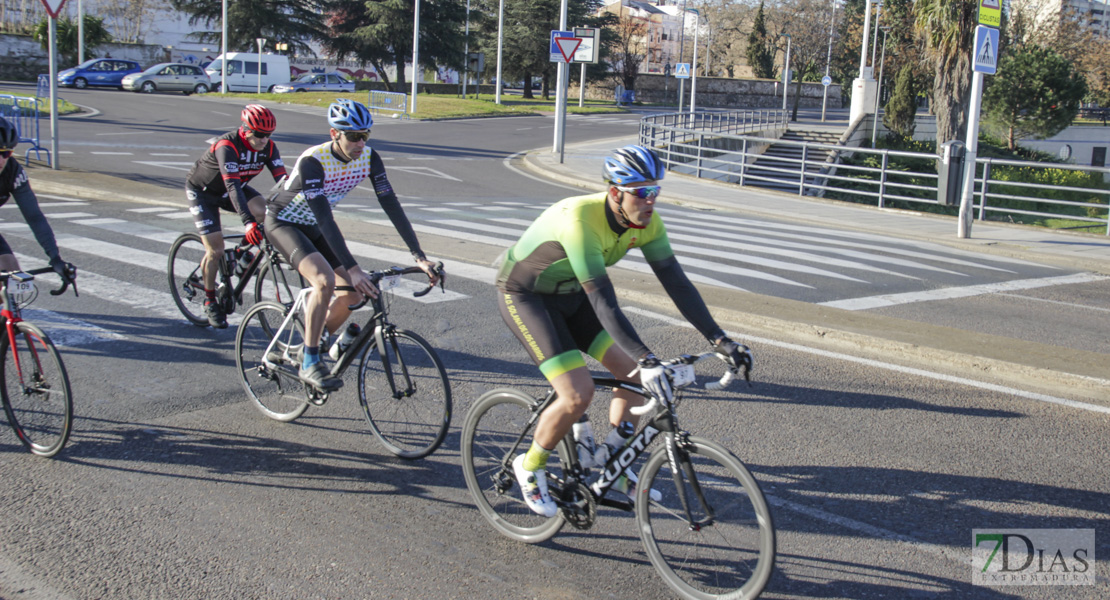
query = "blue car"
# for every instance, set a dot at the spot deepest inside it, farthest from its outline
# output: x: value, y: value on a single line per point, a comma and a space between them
x: 107, y: 72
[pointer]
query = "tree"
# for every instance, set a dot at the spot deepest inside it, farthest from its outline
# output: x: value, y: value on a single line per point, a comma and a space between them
x: 293, y: 22
x: 1036, y: 93
x: 947, y: 28
x: 902, y: 107
x: 131, y: 19
x: 630, y: 50
x: 761, y: 56
x: 67, y: 36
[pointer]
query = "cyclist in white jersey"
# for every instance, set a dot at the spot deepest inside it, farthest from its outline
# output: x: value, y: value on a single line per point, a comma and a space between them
x: 300, y: 224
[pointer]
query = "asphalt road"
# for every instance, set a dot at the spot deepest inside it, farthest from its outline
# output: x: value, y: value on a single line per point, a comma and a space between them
x: 175, y: 486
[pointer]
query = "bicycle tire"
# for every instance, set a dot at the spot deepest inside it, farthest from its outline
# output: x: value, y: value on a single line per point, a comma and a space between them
x: 730, y: 558
x: 37, y: 397
x: 409, y: 412
x: 278, y: 394
x: 272, y: 283
x: 186, y: 279
x: 492, y: 426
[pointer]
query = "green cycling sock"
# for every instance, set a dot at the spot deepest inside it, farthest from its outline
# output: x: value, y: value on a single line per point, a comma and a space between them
x: 536, y: 457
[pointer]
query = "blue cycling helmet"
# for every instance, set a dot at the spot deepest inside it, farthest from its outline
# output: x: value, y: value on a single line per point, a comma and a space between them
x: 633, y: 164
x: 348, y: 115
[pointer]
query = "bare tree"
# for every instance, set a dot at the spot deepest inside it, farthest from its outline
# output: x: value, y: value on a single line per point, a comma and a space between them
x: 629, y: 50
x: 131, y: 20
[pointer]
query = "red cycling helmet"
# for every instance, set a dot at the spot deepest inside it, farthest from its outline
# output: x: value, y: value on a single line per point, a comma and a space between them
x: 259, y: 118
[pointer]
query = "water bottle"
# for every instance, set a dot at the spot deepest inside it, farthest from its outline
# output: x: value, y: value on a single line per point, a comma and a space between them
x: 584, y: 441
x: 340, y: 346
x: 616, y: 440
x: 245, y: 258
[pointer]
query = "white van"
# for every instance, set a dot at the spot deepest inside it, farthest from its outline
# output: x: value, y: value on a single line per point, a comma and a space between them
x: 242, y: 71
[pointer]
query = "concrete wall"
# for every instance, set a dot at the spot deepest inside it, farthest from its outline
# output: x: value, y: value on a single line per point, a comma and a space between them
x: 713, y: 91
x: 22, y: 58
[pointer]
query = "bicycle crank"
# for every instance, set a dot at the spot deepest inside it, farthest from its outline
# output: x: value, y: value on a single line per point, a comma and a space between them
x: 578, y: 506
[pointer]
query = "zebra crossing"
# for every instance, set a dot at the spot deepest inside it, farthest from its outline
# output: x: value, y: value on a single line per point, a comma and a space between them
x: 849, y: 270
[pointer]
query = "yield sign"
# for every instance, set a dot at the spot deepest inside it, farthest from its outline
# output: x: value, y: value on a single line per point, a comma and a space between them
x: 53, y: 7
x: 567, y: 47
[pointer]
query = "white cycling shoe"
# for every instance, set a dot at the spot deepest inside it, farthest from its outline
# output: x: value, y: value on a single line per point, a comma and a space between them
x: 534, y: 486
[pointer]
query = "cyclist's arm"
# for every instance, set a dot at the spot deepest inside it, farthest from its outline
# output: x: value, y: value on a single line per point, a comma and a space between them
x: 274, y: 163
x: 228, y: 160
x: 311, y: 173
x: 686, y: 297
x: 392, y: 206
x: 32, y: 214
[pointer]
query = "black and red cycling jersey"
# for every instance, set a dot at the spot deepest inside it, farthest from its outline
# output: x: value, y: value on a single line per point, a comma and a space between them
x: 229, y: 164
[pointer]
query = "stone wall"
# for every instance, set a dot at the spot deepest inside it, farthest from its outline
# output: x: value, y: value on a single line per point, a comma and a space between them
x: 715, y: 92
x: 22, y: 57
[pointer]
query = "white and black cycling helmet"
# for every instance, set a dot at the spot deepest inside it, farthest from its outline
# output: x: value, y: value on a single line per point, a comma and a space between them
x: 349, y: 115
x: 633, y: 164
x: 9, y: 137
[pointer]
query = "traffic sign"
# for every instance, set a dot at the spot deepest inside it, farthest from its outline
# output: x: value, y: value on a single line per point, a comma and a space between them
x: 826, y: 81
x: 682, y: 71
x: 990, y: 13
x: 554, y: 51
x: 588, y: 50
x: 567, y: 47
x: 53, y: 7
x: 985, y: 58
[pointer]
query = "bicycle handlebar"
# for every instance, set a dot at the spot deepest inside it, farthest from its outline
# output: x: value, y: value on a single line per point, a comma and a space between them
x: 377, y: 276
x: 687, y: 360
x: 70, y: 278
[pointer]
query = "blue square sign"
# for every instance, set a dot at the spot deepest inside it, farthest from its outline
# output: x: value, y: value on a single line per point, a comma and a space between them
x: 985, y: 58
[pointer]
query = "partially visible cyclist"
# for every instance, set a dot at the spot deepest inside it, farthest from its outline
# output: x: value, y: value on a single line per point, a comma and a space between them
x: 558, y: 300
x: 14, y: 183
x: 219, y: 180
x: 300, y: 224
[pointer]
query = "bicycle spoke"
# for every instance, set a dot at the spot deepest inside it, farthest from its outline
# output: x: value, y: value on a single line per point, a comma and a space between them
x: 36, y: 392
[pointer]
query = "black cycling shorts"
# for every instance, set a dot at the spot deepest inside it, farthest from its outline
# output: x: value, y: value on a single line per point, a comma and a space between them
x: 296, y: 241
x: 4, y: 247
x: 555, y: 329
x: 206, y: 207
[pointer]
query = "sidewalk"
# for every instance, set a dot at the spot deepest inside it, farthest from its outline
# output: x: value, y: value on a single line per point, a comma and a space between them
x: 1002, y: 360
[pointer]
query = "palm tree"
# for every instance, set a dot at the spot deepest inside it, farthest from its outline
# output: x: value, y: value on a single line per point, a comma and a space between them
x: 67, y: 36
x: 948, y: 28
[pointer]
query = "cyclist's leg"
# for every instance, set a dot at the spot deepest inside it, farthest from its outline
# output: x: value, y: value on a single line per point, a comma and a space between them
x: 592, y: 338
x: 319, y: 274
x: 206, y: 217
x: 8, y: 262
x: 341, y: 301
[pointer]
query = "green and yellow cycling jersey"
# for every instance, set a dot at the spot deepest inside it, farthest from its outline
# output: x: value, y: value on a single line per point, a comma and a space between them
x: 571, y: 243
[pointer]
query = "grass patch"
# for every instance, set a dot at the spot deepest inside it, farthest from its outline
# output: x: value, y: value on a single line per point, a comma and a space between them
x: 447, y: 106
x: 64, y: 108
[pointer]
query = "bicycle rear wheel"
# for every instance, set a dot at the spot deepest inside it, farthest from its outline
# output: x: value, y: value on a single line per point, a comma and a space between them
x: 276, y: 391
x: 35, y: 390
x: 405, y: 394
x: 729, y: 552
x: 186, y: 282
x: 493, y: 426
x: 277, y: 282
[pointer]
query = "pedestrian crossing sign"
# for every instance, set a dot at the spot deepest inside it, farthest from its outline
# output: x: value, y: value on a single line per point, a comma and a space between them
x: 682, y: 71
x: 985, y: 58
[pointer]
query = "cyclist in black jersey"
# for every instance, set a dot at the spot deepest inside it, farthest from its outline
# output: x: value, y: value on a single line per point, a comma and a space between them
x: 557, y: 298
x: 219, y: 180
x: 300, y: 224
x: 14, y: 182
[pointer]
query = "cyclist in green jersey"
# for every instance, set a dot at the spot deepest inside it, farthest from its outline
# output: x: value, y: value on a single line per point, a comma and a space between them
x: 558, y: 300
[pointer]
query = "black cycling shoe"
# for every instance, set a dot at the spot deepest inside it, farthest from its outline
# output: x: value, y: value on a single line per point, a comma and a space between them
x: 318, y: 376
x: 215, y: 314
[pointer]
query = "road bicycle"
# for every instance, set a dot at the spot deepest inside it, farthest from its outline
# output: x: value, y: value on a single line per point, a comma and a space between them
x: 402, y: 384
x: 709, y: 535
x: 35, y: 390
x: 276, y: 280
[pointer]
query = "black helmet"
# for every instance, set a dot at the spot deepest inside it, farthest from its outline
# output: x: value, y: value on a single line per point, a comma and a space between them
x: 9, y: 137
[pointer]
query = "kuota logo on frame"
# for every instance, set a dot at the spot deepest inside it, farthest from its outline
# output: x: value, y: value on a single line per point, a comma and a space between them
x: 1033, y: 557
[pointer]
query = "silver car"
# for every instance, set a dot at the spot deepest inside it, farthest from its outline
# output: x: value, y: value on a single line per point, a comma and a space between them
x: 169, y: 77
x: 316, y: 82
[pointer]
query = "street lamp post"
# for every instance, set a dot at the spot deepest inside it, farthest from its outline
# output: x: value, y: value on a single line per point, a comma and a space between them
x: 415, y: 55
x: 466, y: 51
x: 879, y: 91
x: 694, y: 69
x: 786, y: 72
x: 223, y: 50
x: 80, y: 32
x: 828, y: 61
x: 500, y: 38
x: 260, y: 42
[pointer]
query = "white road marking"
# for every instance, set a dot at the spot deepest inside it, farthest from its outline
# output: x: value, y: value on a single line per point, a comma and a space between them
x: 949, y: 293
x: 50, y: 204
x: 69, y: 215
x: 180, y: 166
x: 151, y: 209
x: 1057, y: 302
x: 113, y: 153
x: 426, y: 171
x: 140, y: 230
x: 167, y: 154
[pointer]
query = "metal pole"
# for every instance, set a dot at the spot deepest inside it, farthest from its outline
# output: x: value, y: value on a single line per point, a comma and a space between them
x: 878, y: 92
x: 260, y: 42
x: 80, y: 31
x: 562, y: 73
x: 786, y: 73
x: 694, y: 69
x: 466, y: 50
x: 681, y: 54
x: 415, y: 55
x: 582, y: 87
x: 828, y: 61
x: 866, y: 30
x: 53, y: 35
x: 972, y: 148
x: 223, y: 50
x: 500, y: 38
x: 875, y: 40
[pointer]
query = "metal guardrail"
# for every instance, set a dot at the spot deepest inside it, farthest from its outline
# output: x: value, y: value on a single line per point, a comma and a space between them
x: 707, y: 146
x: 24, y: 114
x: 391, y: 101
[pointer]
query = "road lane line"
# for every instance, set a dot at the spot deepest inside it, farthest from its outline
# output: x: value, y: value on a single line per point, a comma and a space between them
x: 949, y: 293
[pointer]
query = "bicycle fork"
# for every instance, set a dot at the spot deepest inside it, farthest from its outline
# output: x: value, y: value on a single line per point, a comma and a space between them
x: 10, y: 321
x: 679, y: 460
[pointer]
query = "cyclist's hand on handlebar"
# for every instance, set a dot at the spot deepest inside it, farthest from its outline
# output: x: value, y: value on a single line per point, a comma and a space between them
x: 738, y: 356
x: 361, y: 282
x: 254, y: 235
x: 61, y: 267
x: 653, y: 377
x: 429, y: 267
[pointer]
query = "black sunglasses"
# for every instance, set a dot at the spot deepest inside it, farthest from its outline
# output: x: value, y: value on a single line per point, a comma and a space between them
x: 259, y: 134
x: 356, y: 136
x: 6, y: 153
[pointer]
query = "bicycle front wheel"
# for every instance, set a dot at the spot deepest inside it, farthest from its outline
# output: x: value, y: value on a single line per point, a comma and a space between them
x: 405, y: 394
x: 277, y: 282
x: 186, y: 280
x: 490, y: 436
x: 728, y: 551
x: 36, y: 392
x: 276, y: 391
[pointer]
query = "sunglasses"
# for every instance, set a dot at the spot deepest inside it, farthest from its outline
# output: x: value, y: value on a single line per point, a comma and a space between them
x: 647, y: 192
x: 356, y: 136
x: 258, y: 134
x: 6, y: 153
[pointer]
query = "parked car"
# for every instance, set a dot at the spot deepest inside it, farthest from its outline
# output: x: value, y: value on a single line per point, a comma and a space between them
x: 316, y: 82
x: 169, y: 77
x: 98, y: 71
x: 243, y: 71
